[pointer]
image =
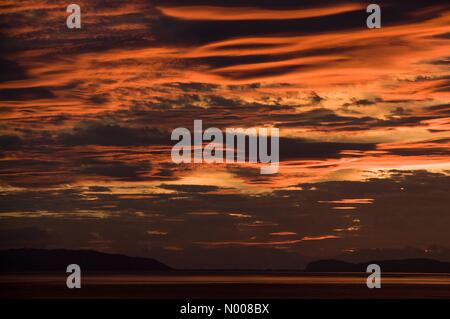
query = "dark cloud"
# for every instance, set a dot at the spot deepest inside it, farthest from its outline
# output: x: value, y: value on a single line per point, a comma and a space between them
x: 315, y: 98
x: 400, y: 111
x: 26, y: 94
x: 192, y: 86
x: 52, y: 35
x: 326, y: 119
x: 405, y: 209
x: 268, y: 71
x: 363, y: 102
x: 99, y: 98
x: 96, y: 133
x: 188, y: 32
x: 10, y: 141
x: 216, y: 62
x: 440, y: 109
x: 99, y: 189
x: 191, y: 188
x: 442, y: 87
x: 120, y: 170
x: 429, y: 151
x: 298, y: 149
x: 11, y: 71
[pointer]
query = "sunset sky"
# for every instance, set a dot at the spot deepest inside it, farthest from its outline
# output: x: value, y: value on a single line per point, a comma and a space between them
x: 364, y: 118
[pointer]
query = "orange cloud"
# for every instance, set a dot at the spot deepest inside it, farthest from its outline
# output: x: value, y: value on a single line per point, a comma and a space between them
x: 283, y: 233
x: 269, y: 243
x: 249, y: 13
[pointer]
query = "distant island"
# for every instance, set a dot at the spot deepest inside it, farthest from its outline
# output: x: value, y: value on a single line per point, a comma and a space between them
x: 418, y: 265
x: 30, y: 260
x: 42, y: 260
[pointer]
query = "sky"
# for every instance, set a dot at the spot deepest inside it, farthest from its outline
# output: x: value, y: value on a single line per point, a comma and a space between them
x: 364, y: 118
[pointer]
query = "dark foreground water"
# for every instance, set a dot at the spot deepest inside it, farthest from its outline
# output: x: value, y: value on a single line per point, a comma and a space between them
x: 226, y: 285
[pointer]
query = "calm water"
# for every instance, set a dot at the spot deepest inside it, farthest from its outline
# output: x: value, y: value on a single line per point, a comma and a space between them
x: 284, y: 279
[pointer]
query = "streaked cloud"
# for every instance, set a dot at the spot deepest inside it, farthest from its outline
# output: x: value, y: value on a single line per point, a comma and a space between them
x: 86, y: 117
x: 249, y: 13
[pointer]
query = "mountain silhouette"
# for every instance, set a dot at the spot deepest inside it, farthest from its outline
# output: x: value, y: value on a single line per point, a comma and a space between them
x: 42, y: 260
x: 418, y: 265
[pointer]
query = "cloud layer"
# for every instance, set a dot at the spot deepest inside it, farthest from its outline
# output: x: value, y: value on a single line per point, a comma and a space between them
x: 86, y: 117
